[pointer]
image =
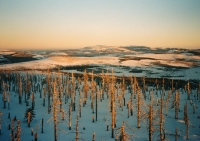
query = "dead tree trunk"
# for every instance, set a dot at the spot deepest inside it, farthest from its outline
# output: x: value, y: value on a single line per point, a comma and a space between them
x: 77, y: 129
x: 42, y: 125
x: 186, y: 119
x: 161, y: 119
x: 96, y: 104
x: 150, y: 122
x: 138, y: 108
x: 176, y: 134
x: 55, y: 118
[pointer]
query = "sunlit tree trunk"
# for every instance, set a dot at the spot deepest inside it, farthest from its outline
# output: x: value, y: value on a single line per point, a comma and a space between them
x: 186, y: 119
x: 150, y: 122
x: 138, y: 107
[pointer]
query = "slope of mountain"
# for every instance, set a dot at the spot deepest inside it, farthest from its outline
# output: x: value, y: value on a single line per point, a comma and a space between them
x: 129, y: 60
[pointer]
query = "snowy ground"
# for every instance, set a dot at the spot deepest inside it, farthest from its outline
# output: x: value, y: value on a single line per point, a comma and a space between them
x: 125, y: 61
x: 104, y: 119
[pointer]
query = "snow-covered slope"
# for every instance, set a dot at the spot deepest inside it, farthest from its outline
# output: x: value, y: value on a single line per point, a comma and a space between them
x: 152, y: 62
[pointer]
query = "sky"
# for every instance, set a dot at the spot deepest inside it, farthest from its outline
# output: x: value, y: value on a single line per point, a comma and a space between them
x: 62, y: 24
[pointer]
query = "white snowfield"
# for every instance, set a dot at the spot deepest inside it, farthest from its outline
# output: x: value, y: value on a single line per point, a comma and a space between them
x: 64, y: 60
x: 129, y: 58
x: 61, y: 60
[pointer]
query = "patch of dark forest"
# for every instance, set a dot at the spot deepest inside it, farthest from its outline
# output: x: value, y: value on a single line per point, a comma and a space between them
x: 17, y: 59
x: 166, y: 66
x: 136, y: 71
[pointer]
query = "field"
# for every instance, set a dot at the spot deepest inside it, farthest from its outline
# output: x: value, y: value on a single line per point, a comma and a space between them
x: 126, y: 94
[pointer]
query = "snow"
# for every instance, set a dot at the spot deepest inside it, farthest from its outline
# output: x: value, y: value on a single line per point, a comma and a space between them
x: 149, y: 65
x: 87, y: 52
x: 37, y: 56
x: 101, y: 48
x: 99, y: 126
x: 148, y: 62
x: 59, y: 53
x: 137, y: 63
x: 61, y: 60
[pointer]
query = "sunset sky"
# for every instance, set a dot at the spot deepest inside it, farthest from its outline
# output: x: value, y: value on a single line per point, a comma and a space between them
x: 62, y: 24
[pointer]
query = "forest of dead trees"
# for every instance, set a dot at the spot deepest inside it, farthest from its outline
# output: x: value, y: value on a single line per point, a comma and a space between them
x: 147, y: 100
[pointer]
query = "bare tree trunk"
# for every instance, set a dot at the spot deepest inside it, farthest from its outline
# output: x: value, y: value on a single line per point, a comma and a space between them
x: 176, y: 134
x: 188, y: 90
x: 93, y: 136
x: 138, y: 108
x: 42, y: 125
x: 186, y: 119
x: 20, y: 90
x: 29, y: 118
x: 77, y: 129
x: 150, y: 122
x: 18, y: 130
x: 70, y: 116
x: 96, y: 104
x: 161, y: 119
x: 122, y: 134
x: 112, y: 100
x: 55, y: 102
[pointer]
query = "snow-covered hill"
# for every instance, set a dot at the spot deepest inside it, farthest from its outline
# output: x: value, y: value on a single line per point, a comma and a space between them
x: 132, y: 60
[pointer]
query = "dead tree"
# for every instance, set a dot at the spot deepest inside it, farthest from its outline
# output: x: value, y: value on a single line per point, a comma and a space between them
x: 4, y: 95
x: 161, y: 129
x: 80, y: 102
x: 85, y: 87
x: 33, y: 100
x: 176, y: 134
x: 49, y: 86
x: 29, y: 118
x: 177, y: 103
x: 28, y: 88
x: 12, y: 130
x: 138, y: 108
x: 55, y: 110
x: 112, y: 103
x: 102, y: 84
x: 59, y: 88
x: 42, y: 126
x: 76, y: 138
x: 144, y: 87
x: 123, y: 89
x: 44, y: 95
x: 8, y: 101
x: 73, y: 85
x: 168, y: 100
x: 70, y: 117
x: 188, y: 90
x: 186, y: 119
x: 93, y: 136
x: 18, y: 130
x: 122, y: 133
x: 96, y: 103
x: 36, y: 134
x: 150, y: 124
x: 20, y: 90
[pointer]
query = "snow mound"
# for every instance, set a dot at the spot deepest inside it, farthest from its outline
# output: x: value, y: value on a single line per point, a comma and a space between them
x: 38, y: 56
x: 58, y: 54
